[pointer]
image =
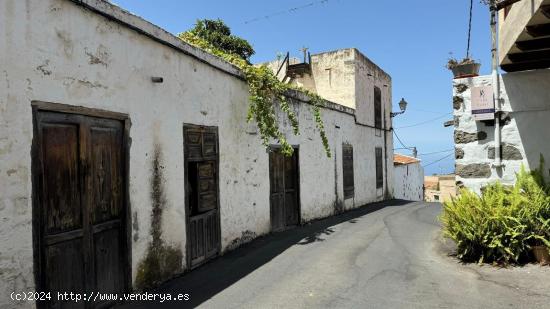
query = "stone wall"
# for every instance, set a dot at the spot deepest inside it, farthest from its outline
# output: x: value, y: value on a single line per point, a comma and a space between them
x: 524, y: 128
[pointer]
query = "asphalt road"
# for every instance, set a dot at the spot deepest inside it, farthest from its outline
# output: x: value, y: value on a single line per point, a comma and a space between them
x: 381, y: 256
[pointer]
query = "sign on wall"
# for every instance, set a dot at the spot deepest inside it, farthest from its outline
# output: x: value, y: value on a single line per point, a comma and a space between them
x: 483, y: 106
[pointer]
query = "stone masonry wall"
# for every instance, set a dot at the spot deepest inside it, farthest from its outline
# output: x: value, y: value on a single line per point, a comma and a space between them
x: 524, y: 128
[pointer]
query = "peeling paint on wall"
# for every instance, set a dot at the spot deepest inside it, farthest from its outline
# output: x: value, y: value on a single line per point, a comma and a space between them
x: 100, y: 56
x: 43, y: 68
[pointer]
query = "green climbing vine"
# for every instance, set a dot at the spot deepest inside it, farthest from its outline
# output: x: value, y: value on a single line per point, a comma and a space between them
x: 265, y: 91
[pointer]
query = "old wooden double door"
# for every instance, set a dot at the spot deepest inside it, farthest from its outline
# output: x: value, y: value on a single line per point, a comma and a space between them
x: 284, y: 193
x: 79, y: 210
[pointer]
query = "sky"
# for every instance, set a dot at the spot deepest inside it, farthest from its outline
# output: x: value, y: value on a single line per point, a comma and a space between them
x: 409, y: 39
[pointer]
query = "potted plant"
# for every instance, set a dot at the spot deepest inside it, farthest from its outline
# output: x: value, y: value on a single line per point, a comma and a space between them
x: 541, y: 254
x: 539, y: 237
x: 466, y: 67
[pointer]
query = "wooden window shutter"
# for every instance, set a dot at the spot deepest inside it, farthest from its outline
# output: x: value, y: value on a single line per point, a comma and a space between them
x: 377, y: 108
x: 347, y: 164
x: 379, y: 171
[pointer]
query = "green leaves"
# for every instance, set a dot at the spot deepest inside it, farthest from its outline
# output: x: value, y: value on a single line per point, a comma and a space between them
x: 265, y: 90
x: 503, y: 223
x: 217, y: 33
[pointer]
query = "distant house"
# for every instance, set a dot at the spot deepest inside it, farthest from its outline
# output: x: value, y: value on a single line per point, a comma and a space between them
x: 408, y: 178
x: 439, y: 188
x: 518, y: 124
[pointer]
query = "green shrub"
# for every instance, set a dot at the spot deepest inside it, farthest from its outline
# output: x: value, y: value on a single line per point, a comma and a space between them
x: 502, y: 224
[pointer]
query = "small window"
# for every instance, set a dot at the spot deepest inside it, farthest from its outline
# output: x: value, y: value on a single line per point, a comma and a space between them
x: 377, y: 108
x: 436, y: 197
x: 379, y: 171
x: 347, y: 166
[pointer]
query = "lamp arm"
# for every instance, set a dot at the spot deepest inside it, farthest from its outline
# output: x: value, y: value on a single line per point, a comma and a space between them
x: 393, y: 114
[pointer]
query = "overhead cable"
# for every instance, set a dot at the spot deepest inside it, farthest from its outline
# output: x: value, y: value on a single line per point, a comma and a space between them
x: 424, y: 122
x: 435, y: 152
x: 291, y: 10
x: 434, y: 162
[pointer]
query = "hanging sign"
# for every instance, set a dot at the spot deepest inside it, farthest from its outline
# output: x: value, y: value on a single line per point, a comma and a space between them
x: 483, y: 106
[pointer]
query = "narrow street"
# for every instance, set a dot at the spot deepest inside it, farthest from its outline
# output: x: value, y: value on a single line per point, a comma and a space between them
x: 381, y: 256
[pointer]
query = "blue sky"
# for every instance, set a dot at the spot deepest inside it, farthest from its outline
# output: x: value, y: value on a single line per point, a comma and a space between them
x: 410, y: 40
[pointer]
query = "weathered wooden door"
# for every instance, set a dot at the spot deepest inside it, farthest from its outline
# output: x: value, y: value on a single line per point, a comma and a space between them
x: 202, y: 200
x: 284, y: 194
x: 79, y: 212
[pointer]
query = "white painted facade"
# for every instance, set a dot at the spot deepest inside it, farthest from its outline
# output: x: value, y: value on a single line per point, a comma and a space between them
x: 61, y: 52
x: 408, y: 181
x: 524, y: 128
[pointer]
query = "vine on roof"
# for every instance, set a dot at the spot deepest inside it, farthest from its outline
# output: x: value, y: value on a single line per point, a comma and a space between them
x: 265, y: 89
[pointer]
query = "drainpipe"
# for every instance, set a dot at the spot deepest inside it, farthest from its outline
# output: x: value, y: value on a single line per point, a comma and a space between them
x: 386, y: 192
x: 496, y: 83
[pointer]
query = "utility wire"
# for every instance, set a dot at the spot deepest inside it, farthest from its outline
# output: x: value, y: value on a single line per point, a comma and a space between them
x: 469, y: 29
x: 424, y: 122
x: 401, y: 142
x: 435, y: 152
x: 291, y: 10
x: 422, y: 110
x: 434, y: 162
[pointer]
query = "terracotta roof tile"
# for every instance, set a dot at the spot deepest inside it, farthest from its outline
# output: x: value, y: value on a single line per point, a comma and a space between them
x: 399, y: 159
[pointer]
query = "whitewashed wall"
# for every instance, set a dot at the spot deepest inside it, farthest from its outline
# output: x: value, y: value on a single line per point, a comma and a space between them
x: 525, y: 129
x: 56, y: 51
x: 408, y: 182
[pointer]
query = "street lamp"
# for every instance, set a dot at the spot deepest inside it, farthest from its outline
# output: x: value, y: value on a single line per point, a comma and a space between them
x: 402, y: 107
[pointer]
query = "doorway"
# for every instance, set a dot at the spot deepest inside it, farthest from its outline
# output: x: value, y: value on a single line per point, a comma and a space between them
x: 79, y: 202
x: 201, y: 193
x: 284, y: 189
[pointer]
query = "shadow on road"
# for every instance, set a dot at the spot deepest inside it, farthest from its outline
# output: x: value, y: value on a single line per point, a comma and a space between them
x: 208, y: 280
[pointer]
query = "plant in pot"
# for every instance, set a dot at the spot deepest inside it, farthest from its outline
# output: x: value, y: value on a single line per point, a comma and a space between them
x: 539, y: 240
x: 466, y: 67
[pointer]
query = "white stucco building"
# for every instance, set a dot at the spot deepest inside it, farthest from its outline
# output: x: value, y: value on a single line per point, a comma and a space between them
x: 408, y: 178
x: 524, y: 93
x: 113, y: 179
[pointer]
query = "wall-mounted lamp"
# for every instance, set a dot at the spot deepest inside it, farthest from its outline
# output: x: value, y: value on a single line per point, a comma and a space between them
x: 402, y: 107
x: 157, y: 79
